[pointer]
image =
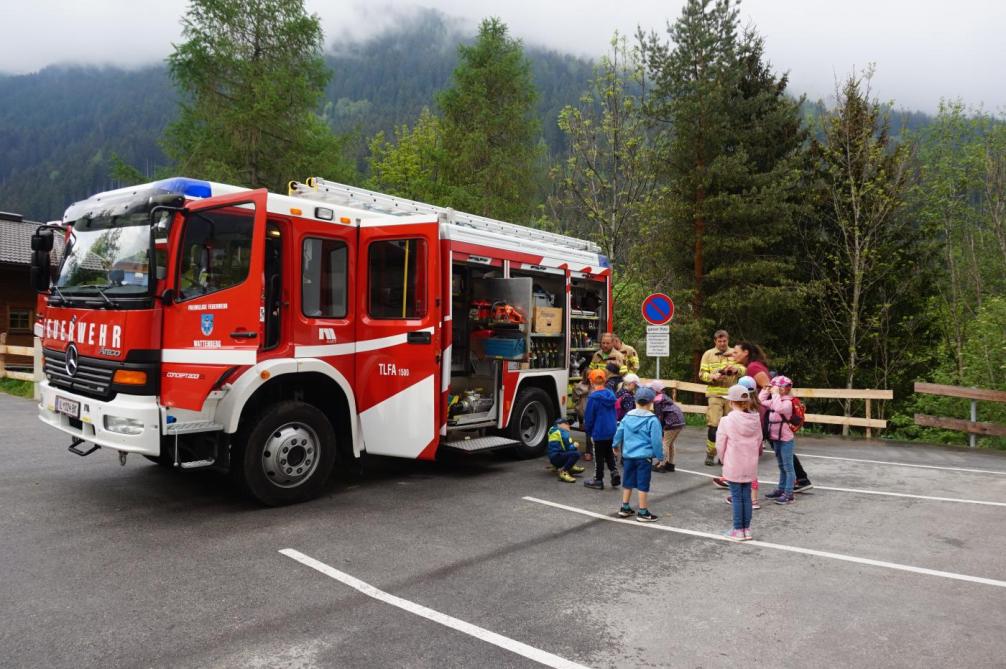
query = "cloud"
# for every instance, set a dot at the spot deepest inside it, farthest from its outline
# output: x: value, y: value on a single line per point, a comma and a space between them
x: 924, y: 50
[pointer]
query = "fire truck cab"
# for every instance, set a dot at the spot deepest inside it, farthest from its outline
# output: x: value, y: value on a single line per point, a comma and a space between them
x: 205, y: 325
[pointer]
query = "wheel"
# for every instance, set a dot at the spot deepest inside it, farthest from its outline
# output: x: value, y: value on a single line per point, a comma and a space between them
x: 286, y: 455
x: 530, y: 419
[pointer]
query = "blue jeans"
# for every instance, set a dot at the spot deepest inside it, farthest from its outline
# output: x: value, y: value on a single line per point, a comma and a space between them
x: 565, y: 460
x: 740, y: 498
x: 784, y: 456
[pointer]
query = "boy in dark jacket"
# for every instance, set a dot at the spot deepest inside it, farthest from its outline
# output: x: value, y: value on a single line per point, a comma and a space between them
x: 638, y: 436
x: 613, y: 372
x: 672, y: 420
x: 562, y: 451
x: 599, y: 421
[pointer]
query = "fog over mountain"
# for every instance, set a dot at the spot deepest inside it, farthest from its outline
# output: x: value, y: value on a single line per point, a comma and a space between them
x: 924, y: 50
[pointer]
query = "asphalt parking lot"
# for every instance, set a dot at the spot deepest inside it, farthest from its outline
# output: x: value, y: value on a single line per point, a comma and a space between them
x: 487, y: 561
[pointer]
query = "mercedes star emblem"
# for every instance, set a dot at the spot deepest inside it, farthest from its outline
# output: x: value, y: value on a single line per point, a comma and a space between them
x: 71, y: 360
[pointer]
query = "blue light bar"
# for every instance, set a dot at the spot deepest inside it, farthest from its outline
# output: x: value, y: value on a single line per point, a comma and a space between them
x: 604, y: 261
x: 185, y: 186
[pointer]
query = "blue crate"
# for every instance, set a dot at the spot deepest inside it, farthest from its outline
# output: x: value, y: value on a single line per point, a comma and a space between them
x: 502, y: 347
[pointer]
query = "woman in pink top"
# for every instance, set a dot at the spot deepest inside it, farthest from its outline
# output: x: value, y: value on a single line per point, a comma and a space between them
x: 738, y: 445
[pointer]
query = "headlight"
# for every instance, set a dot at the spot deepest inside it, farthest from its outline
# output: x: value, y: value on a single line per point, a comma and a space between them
x: 123, y: 425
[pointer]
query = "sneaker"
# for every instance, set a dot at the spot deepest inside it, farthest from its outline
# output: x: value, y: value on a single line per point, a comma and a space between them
x: 669, y: 467
x: 784, y: 499
x: 747, y: 534
x: 734, y: 535
x: 566, y: 476
x: 710, y: 461
x: 775, y: 494
x: 755, y: 504
x: 659, y: 467
x: 616, y: 481
x: 803, y: 486
x: 645, y: 517
x: 594, y: 483
x: 576, y: 469
x: 720, y: 481
x: 626, y: 511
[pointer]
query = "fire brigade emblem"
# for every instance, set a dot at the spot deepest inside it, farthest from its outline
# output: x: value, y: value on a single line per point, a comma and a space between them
x: 206, y: 324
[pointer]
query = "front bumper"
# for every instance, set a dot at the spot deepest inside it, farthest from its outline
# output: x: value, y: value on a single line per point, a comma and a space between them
x: 91, y: 426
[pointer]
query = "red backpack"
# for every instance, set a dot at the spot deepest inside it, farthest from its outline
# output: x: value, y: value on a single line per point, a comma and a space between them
x: 795, y: 421
x: 799, y: 415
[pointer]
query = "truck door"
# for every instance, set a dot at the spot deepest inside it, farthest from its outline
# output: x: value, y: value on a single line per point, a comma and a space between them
x: 398, y: 339
x: 213, y: 323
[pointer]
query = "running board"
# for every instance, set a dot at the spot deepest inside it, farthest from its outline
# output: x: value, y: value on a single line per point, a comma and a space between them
x: 196, y: 464
x: 480, y: 444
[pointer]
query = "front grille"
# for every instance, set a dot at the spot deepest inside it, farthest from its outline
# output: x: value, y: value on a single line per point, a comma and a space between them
x: 93, y: 378
x: 94, y: 375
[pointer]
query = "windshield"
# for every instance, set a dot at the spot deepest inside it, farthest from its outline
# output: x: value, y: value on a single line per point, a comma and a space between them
x: 107, y: 255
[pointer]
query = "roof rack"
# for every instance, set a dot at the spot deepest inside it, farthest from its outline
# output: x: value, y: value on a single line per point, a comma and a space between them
x: 316, y: 188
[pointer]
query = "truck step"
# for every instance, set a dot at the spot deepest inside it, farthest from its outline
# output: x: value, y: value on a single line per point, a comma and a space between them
x: 480, y: 444
x: 192, y: 428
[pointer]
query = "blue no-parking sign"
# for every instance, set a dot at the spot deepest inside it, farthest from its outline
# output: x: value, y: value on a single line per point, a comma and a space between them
x: 658, y: 309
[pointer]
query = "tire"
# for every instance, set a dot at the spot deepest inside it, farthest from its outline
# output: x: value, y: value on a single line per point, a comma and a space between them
x: 530, y: 419
x: 286, y: 455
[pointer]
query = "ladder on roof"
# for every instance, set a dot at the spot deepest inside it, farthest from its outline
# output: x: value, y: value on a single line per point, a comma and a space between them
x: 316, y: 188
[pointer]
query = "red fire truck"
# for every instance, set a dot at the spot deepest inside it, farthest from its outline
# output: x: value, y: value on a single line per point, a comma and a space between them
x: 273, y: 336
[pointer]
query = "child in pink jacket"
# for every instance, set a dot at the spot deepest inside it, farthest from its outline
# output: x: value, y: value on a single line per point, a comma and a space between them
x: 738, y: 445
x: 779, y: 403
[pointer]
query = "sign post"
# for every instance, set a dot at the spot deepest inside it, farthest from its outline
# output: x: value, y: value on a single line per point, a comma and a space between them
x: 658, y: 310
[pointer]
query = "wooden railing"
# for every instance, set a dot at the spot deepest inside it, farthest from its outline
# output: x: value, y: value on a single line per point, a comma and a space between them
x: 869, y: 395
x: 7, y: 350
x: 972, y: 427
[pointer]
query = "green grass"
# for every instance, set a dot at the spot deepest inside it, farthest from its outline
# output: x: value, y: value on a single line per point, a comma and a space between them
x: 17, y: 388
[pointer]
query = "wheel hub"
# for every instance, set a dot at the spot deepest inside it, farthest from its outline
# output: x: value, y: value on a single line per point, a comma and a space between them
x: 533, y: 424
x: 290, y: 455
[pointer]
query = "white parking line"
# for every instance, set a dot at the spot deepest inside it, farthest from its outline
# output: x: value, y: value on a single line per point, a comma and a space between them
x: 779, y: 547
x: 506, y: 643
x: 905, y: 464
x: 884, y: 493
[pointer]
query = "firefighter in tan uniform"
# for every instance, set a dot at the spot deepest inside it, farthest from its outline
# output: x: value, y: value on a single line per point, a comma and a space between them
x: 607, y: 353
x: 719, y: 371
x: 629, y: 354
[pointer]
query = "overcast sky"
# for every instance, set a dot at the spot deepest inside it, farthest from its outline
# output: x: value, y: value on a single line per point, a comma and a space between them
x: 923, y: 49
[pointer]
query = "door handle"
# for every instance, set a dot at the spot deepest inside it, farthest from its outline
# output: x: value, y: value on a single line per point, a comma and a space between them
x: 244, y: 334
x: 419, y: 337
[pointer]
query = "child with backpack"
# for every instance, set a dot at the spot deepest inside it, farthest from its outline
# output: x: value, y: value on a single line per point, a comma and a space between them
x: 672, y: 421
x: 626, y: 396
x: 738, y: 445
x: 638, y: 435
x: 599, y: 425
x: 783, y: 418
x: 562, y: 451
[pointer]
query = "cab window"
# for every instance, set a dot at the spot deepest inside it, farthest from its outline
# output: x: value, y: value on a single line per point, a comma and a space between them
x: 323, y: 278
x: 215, y: 251
x: 397, y: 276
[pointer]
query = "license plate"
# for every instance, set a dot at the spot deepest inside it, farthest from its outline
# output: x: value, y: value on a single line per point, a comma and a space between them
x: 68, y: 407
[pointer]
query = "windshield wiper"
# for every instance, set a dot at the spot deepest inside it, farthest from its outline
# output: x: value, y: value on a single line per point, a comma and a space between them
x: 109, y: 302
x: 62, y: 297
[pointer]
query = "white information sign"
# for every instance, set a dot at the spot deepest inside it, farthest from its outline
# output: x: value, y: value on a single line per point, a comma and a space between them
x: 658, y: 341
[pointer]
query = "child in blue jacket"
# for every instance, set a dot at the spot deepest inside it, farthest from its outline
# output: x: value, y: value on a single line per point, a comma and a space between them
x: 599, y: 424
x: 639, y: 437
x: 562, y: 451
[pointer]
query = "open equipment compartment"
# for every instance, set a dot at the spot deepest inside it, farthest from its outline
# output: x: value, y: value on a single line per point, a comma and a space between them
x: 588, y: 320
x: 548, y: 317
x: 490, y: 325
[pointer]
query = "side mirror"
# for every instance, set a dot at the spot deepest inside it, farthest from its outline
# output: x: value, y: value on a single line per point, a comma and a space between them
x: 40, y: 272
x: 168, y: 296
x: 42, y: 240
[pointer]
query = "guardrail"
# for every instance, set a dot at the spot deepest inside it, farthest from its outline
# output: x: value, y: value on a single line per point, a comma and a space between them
x: 972, y: 427
x: 868, y: 422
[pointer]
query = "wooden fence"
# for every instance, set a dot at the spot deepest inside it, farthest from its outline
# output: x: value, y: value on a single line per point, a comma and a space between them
x: 868, y: 421
x: 972, y: 426
x: 5, y: 363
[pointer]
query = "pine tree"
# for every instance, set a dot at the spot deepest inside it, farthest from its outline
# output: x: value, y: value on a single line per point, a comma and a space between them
x: 252, y: 77
x: 490, y: 129
x: 731, y: 151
